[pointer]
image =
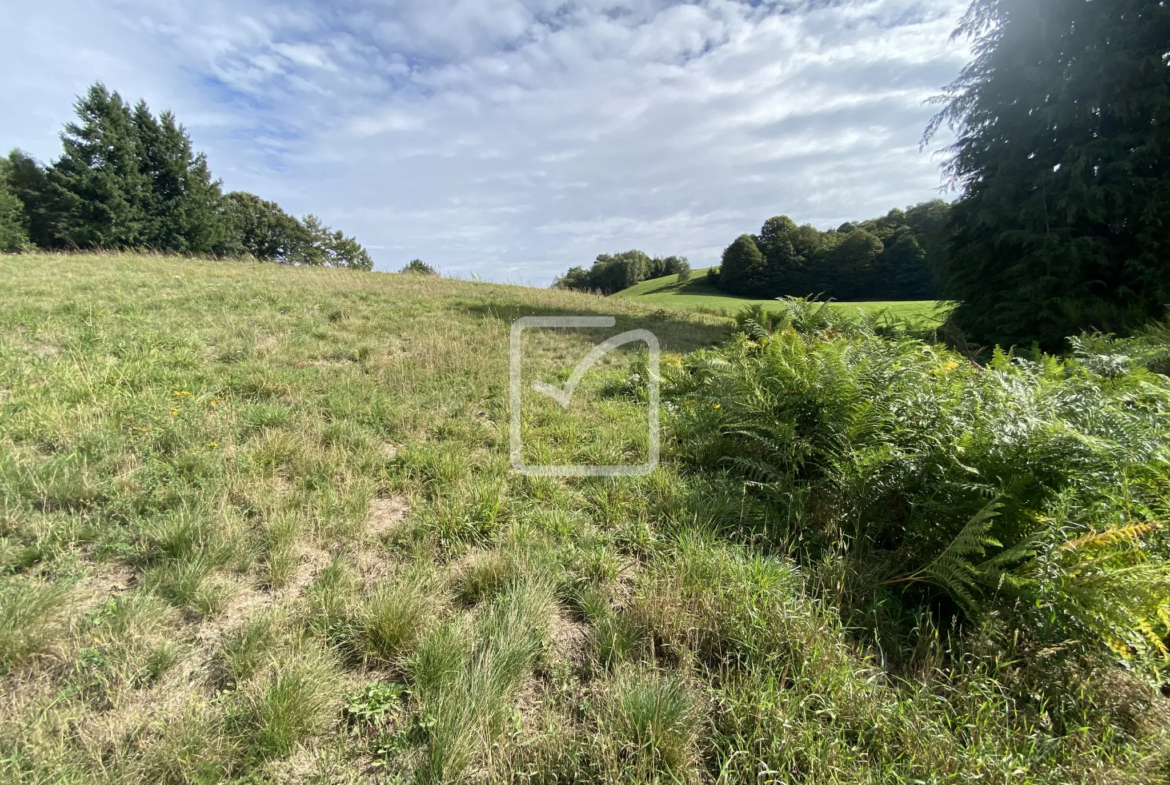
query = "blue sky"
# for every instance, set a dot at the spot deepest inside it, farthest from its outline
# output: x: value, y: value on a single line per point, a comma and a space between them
x: 514, y: 138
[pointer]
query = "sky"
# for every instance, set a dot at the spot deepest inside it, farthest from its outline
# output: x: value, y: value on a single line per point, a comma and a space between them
x: 512, y: 139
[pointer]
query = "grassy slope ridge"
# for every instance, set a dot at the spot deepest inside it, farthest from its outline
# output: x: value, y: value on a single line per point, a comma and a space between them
x: 697, y: 295
x: 258, y: 522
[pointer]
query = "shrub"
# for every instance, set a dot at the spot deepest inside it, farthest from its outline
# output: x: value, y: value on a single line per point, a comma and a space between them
x: 418, y: 267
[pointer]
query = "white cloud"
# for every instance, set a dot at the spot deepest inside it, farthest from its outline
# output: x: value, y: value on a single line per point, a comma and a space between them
x: 513, y: 138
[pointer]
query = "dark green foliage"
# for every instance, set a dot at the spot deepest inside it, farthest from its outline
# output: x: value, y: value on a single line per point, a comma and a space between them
x: 261, y: 229
x: 669, y: 265
x: 577, y: 279
x: 329, y: 248
x: 128, y: 179
x: 744, y: 270
x: 852, y: 263
x: 613, y: 272
x: 29, y: 183
x: 182, y: 207
x: 98, y: 182
x: 779, y: 240
x: 13, y: 218
x: 419, y: 267
x: 1032, y: 492
x: 889, y: 258
x: 1063, y: 153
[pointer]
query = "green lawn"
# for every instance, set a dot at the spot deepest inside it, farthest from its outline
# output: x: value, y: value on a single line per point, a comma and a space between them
x: 697, y: 295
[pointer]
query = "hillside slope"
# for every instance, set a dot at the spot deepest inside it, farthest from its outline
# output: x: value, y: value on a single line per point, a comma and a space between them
x: 259, y: 525
x: 697, y: 295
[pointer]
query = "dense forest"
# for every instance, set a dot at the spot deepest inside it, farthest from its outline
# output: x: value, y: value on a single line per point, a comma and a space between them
x: 128, y: 179
x: 613, y: 272
x: 890, y: 258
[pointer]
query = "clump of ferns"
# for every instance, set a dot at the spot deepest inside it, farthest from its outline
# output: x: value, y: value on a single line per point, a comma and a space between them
x: 1101, y: 587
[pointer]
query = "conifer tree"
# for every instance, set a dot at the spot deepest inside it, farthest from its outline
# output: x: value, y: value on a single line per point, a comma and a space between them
x: 97, y: 183
x: 182, y: 206
x: 328, y: 248
x: 1063, y: 152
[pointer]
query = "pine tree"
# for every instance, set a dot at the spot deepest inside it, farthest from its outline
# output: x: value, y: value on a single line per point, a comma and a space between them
x: 329, y: 248
x: 1063, y: 151
x: 182, y: 206
x: 97, y: 182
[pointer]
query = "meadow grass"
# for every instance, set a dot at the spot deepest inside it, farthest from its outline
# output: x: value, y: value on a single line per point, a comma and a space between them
x: 696, y: 294
x: 257, y: 524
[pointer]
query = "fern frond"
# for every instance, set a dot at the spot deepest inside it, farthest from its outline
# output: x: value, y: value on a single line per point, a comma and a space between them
x: 1132, y: 533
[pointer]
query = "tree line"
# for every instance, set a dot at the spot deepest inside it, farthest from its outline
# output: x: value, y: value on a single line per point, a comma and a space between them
x: 613, y: 272
x: 890, y: 258
x: 1062, y: 161
x: 128, y: 179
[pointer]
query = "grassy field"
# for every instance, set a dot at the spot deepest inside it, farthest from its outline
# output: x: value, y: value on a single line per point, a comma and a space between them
x: 258, y: 525
x: 697, y: 295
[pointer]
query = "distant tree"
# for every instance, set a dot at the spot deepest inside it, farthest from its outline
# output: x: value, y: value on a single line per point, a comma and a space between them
x: 261, y: 229
x: 882, y: 258
x: 13, y: 218
x: 930, y: 223
x: 853, y: 261
x: 328, y: 248
x: 182, y: 206
x: 786, y: 274
x: 613, y: 272
x: 900, y: 271
x: 128, y: 179
x: 28, y: 181
x: 577, y: 278
x: 418, y: 267
x: 744, y: 269
x: 98, y: 185
x: 661, y: 266
x: 1063, y: 155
